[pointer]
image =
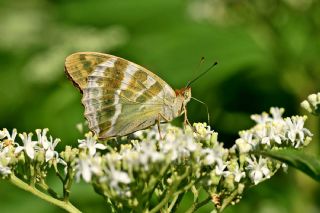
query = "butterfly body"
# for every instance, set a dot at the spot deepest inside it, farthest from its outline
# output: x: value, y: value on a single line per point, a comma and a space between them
x: 121, y: 97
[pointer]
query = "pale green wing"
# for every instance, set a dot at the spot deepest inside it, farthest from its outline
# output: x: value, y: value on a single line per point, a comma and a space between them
x: 121, y: 97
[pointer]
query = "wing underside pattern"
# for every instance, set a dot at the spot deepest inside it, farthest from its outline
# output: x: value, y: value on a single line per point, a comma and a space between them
x: 119, y: 97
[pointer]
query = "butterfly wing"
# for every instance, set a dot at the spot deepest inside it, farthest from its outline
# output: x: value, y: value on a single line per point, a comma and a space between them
x: 78, y: 66
x: 119, y: 96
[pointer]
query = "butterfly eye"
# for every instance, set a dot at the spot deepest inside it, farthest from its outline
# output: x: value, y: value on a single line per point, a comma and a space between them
x: 186, y: 94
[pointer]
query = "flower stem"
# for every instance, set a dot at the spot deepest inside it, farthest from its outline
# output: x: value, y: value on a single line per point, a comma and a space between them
x: 62, y: 204
x: 228, y: 200
x: 196, y: 206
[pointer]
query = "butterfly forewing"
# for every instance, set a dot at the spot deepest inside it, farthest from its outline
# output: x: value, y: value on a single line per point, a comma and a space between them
x: 120, y: 97
x: 78, y: 66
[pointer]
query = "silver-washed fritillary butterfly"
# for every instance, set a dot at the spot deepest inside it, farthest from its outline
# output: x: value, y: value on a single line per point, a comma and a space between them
x: 121, y: 97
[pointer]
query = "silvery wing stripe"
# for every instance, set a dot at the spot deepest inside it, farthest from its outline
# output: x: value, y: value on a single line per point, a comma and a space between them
x: 123, y: 86
x: 168, y: 91
x: 148, y: 83
x: 131, y: 69
x: 89, y: 95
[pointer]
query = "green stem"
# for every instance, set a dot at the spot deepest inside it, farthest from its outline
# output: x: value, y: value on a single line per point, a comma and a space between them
x: 170, y: 192
x: 228, y: 200
x: 62, y: 204
x: 196, y: 206
x: 175, y: 203
x: 164, y: 200
x: 67, y: 183
x: 50, y: 191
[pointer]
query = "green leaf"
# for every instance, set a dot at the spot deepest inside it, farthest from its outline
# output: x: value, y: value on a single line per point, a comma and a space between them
x: 308, y: 164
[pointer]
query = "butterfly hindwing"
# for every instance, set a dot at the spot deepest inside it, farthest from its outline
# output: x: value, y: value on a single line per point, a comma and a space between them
x: 119, y: 96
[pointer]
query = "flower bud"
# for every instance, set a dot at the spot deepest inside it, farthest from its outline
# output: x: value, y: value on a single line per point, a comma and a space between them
x: 305, y: 104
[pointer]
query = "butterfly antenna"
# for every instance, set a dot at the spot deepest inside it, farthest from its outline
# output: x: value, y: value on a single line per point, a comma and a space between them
x: 197, y: 68
x: 205, y: 106
x: 199, y: 76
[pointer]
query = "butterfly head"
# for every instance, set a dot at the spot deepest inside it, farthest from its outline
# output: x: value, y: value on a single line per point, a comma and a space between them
x: 184, y: 94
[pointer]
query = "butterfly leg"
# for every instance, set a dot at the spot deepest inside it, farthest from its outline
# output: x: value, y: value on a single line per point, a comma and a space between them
x: 186, y: 121
x: 158, y: 122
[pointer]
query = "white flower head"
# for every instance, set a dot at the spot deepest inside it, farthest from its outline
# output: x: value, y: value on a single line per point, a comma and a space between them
x: 313, y: 99
x: 238, y: 174
x: 117, y: 180
x: 147, y: 153
x: 247, y: 138
x: 4, y: 161
x: 296, y: 131
x: 29, y: 146
x: 117, y: 177
x: 5, y: 134
x: 4, y: 170
x: 50, y: 152
x: 87, y: 166
x: 202, y: 130
x: 91, y: 144
x: 42, y: 137
x: 276, y: 113
x: 306, y: 105
x: 262, y: 133
x: 258, y: 170
x: 220, y: 168
x: 261, y: 119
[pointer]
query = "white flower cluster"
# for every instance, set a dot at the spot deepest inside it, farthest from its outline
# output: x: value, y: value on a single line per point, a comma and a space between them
x: 270, y: 132
x: 162, y: 164
x: 148, y: 156
x: 41, y: 150
x: 312, y: 104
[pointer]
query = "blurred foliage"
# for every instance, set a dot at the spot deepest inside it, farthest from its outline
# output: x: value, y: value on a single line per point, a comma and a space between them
x: 268, y: 54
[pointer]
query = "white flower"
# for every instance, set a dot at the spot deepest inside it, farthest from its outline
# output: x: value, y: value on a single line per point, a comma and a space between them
x: 313, y: 99
x: 238, y: 174
x: 276, y: 113
x: 296, y: 130
x: 91, y: 144
x: 178, y: 148
x: 202, y: 130
x: 50, y: 152
x: 276, y: 132
x: 247, y: 138
x: 262, y: 134
x: 305, y: 104
x: 47, y: 145
x: 117, y: 177
x: 4, y: 160
x: 213, y: 155
x: 261, y: 119
x: 312, y: 103
x: 147, y: 153
x: 87, y: 166
x: 5, y: 133
x: 28, y: 145
x: 257, y: 170
x: 220, y: 167
x: 4, y: 170
x: 117, y: 180
x: 243, y: 146
x: 42, y: 137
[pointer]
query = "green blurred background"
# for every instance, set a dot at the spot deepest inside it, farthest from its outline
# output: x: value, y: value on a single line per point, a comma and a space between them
x: 268, y: 54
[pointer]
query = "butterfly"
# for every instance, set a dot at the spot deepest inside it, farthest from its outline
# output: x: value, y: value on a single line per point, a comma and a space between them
x: 121, y: 97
